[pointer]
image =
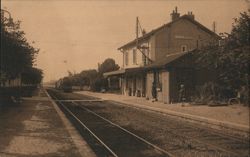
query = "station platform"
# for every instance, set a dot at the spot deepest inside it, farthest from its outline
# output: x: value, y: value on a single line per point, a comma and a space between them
x: 36, y: 127
x: 233, y: 118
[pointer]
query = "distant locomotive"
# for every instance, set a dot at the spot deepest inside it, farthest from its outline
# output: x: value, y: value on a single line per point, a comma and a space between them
x: 64, y: 85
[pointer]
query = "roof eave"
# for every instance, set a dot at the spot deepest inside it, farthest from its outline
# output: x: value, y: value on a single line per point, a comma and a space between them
x: 141, y: 39
x: 149, y: 34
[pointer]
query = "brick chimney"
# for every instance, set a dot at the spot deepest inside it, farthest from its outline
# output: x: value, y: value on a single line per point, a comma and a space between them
x: 175, y: 15
x: 190, y: 15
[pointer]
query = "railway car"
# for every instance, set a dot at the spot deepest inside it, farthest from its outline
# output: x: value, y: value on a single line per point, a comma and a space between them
x: 67, y: 88
x: 64, y: 85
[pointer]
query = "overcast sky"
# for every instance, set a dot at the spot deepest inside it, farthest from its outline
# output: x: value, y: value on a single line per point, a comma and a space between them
x: 74, y: 35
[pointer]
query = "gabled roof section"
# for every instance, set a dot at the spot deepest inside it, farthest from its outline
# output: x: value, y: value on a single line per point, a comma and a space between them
x: 149, y: 34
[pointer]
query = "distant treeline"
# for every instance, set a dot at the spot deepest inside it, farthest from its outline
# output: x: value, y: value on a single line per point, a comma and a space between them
x: 93, y: 79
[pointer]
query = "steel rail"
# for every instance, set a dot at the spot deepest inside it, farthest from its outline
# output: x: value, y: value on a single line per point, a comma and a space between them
x: 79, y: 100
x: 187, y: 137
x: 129, y: 132
x: 79, y: 121
x: 216, y: 131
x: 154, y: 146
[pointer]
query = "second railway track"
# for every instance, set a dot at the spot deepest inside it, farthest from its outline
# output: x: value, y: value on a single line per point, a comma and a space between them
x: 114, y: 140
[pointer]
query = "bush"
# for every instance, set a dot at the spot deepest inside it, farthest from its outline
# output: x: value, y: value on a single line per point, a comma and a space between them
x: 209, y: 93
x: 99, y: 84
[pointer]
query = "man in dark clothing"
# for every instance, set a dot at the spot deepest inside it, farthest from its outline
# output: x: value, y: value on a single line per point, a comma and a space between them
x: 154, y: 92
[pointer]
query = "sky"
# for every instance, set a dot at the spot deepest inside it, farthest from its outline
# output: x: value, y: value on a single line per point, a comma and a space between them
x: 76, y: 35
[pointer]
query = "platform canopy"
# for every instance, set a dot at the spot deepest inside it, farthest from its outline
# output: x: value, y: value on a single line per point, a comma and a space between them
x: 124, y: 71
x: 114, y: 73
x: 181, y: 59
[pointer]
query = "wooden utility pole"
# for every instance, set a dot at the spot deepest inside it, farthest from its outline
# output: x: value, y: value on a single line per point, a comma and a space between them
x: 214, y: 27
x: 138, y: 30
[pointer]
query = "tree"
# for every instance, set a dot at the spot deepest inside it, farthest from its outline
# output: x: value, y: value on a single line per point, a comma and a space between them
x: 32, y: 76
x: 91, y: 77
x: 240, y: 34
x: 107, y: 66
x: 230, y: 61
x: 17, y: 55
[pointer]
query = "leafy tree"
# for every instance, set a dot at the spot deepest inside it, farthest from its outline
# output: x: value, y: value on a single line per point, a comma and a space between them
x: 107, y: 66
x: 32, y: 76
x: 17, y: 55
x: 84, y: 78
x: 88, y: 76
x: 229, y: 61
x: 240, y: 34
x: 93, y: 78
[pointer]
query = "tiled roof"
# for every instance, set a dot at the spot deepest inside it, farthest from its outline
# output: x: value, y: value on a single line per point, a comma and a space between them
x: 166, y: 60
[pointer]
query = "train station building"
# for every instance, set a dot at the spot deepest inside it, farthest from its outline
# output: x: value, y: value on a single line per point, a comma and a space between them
x: 158, y: 62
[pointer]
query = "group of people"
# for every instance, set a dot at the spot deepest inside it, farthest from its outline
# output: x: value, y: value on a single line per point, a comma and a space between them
x: 181, y: 92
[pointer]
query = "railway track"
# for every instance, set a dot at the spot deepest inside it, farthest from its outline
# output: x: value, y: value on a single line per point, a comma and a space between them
x: 240, y: 137
x: 192, y: 137
x: 116, y: 140
x: 213, y: 138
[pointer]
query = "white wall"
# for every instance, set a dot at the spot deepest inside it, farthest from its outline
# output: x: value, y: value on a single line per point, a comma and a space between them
x: 129, y: 51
